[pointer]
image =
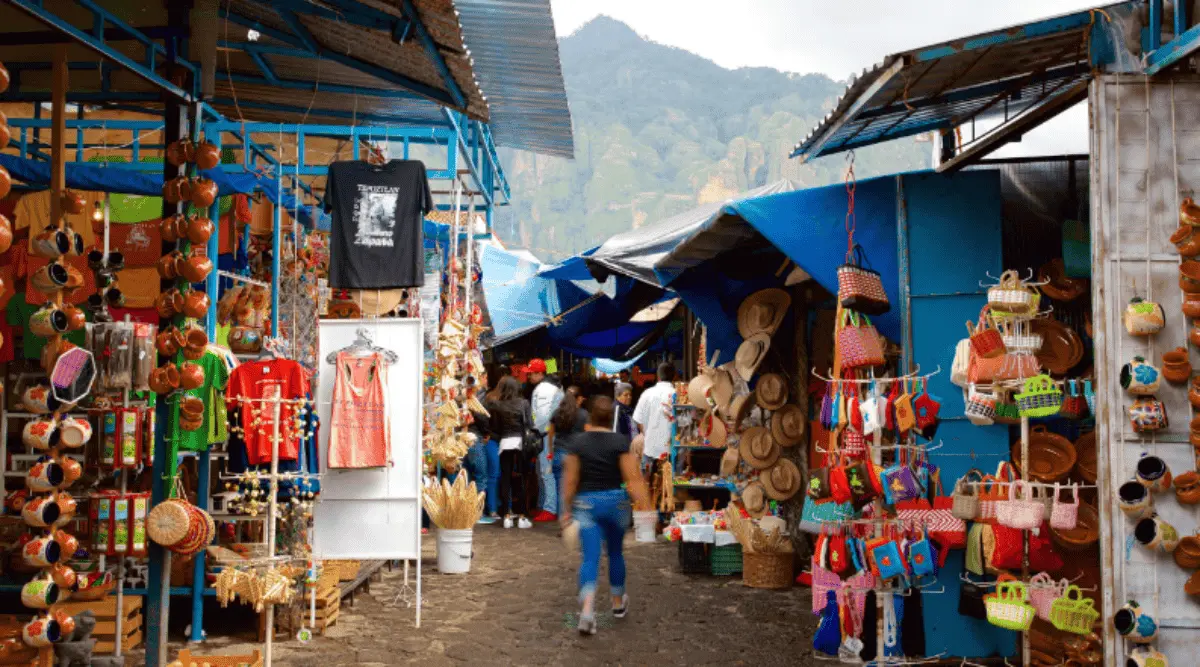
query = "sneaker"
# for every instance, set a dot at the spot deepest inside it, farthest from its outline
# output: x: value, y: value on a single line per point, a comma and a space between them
x: 524, y: 523
x: 619, y: 612
x: 508, y: 522
x: 544, y: 517
x: 486, y: 520
x: 587, y: 625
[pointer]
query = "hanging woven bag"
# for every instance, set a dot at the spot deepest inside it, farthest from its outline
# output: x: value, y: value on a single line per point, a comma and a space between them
x: 1041, y: 398
x: 986, y: 341
x: 858, y: 343
x: 860, y: 288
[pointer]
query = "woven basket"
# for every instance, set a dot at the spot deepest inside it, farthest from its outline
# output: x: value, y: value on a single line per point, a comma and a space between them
x: 772, y: 571
x: 168, y: 522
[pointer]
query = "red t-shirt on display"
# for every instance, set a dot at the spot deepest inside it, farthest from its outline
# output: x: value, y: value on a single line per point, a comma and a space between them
x: 252, y: 382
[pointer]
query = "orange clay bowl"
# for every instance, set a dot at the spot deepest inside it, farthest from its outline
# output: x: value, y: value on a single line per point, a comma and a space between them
x: 1085, y: 457
x: 1051, y: 456
x: 1084, y: 535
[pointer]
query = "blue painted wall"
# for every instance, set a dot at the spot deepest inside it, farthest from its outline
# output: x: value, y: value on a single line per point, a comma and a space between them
x: 952, y: 233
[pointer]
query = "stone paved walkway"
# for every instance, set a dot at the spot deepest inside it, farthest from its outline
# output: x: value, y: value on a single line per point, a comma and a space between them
x: 517, y: 606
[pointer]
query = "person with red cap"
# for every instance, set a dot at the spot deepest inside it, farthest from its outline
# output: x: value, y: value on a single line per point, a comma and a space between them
x: 547, y: 394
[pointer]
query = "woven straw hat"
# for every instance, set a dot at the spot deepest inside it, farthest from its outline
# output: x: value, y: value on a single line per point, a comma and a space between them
x: 754, y: 499
x: 722, y: 389
x: 782, y: 480
x: 750, y: 354
x: 698, y: 390
x: 729, y: 461
x: 758, y: 448
x: 712, y: 428
x: 762, y: 312
x: 739, y: 409
x: 787, y: 425
x: 772, y: 391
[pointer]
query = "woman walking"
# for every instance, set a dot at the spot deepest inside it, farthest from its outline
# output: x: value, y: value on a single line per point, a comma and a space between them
x: 510, y: 418
x: 598, y: 461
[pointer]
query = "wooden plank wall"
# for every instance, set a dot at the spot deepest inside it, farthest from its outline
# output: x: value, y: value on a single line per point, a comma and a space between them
x: 1145, y: 159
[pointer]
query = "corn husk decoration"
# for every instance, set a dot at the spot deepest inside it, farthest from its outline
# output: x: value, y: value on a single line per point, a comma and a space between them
x: 454, y: 506
x: 754, y: 539
x: 454, y: 382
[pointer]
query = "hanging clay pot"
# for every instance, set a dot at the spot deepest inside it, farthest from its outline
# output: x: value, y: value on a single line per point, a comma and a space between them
x: 191, y: 376
x: 5, y: 182
x: 1189, y: 213
x: 73, y: 203
x: 1177, y: 366
x: 195, y: 304
x: 195, y: 268
x: 1187, y: 240
x: 203, y: 192
x: 207, y: 156
x: 168, y: 229
x: 200, y: 230
x: 6, y: 233
x: 1189, y: 276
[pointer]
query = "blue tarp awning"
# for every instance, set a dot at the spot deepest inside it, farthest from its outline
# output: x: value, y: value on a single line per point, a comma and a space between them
x: 98, y: 178
x: 805, y: 225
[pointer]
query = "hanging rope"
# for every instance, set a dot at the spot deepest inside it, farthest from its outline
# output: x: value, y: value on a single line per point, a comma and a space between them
x: 851, y: 220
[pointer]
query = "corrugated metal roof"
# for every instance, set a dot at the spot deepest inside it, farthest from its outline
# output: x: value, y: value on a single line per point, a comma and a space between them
x: 514, y: 51
x: 996, y: 76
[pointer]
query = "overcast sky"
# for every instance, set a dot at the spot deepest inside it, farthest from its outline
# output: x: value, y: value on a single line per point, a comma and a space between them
x: 837, y: 38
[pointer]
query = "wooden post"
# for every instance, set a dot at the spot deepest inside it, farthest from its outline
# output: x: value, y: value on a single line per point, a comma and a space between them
x: 793, y: 508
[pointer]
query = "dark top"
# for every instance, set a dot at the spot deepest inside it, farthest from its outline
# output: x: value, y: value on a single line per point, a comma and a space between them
x: 625, y: 421
x: 506, y: 417
x: 377, y: 238
x: 563, y: 440
x: 599, y: 455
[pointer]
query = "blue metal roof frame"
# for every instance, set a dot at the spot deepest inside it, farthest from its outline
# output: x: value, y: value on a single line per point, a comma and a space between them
x: 516, y: 61
x: 349, y: 61
x: 1025, y: 71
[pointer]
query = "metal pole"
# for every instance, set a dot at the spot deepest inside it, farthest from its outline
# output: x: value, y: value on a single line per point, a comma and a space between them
x: 273, y: 502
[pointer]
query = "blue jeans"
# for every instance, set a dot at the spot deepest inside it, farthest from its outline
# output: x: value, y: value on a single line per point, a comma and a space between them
x: 602, y: 520
x: 547, y: 491
x: 475, y: 463
x: 492, y: 452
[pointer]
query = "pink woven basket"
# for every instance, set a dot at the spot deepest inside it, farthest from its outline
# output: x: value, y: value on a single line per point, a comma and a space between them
x: 1043, y: 591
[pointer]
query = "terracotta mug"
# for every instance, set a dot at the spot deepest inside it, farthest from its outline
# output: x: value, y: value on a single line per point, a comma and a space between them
x: 76, y: 318
x: 164, y: 379
x: 1152, y: 472
x: 45, y: 476
x: 50, y: 278
x: 40, y: 512
x: 66, y: 509
x: 1155, y: 534
x: 40, y: 594
x: 190, y: 424
x: 207, y: 156
x: 166, y: 343
x: 1187, y: 241
x: 203, y: 192
x: 1189, y: 276
x: 1135, y: 499
x: 1177, y: 366
x: 40, y: 433
x: 168, y: 229
x: 195, y: 304
x: 167, y: 266
x: 72, y: 470
x: 77, y: 243
x: 51, y: 243
x: 196, y: 343
x: 165, y: 305
x: 75, y: 432
x: 66, y: 622
x: 67, y: 542
x: 191, y: 376
x: 48, y: 321
x: 39, y: 400
x: 74, y: 278
x: 41, y: 632
x: 171, y: 190
x: 192, y: 407
x: 6, y: 234
x: 177, y: 153
x: 200, y: 230
x: 196, y: 268
x: 42, y: 552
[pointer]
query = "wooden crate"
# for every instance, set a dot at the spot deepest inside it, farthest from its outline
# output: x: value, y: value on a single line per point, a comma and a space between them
x: 328, y: 603
x: 186, y: 659
x: 106, y: 621
x: 347, y: 569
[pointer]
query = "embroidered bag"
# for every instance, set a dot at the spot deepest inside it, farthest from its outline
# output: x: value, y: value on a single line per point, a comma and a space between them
x: 858, y: 343
x: 859, y: 287
x: 986, y: 341
x: 1064, y: 516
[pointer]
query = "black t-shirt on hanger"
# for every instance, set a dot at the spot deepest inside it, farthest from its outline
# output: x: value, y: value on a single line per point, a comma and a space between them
x: 377, y: 239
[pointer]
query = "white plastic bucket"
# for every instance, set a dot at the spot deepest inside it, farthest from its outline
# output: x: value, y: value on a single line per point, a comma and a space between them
x: 643, y: 525
x: 453, y: 551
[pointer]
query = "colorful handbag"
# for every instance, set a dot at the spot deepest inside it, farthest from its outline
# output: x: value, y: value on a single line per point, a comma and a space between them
x: 980, y: 407
x: 965, y: 501
x: 1074, y: 405
x: 926, y: 408
x: 1043, y: 591
x: 923, y: 556
x: 1009, y: 544
x: 858, y: 478
x: 1064, y: 516
x: 885, y: 553
x: 1090, y: 396
x: 859, y: 287
x: 858, y: 343
x: 901, y: 484
x: 814, y: 515
x: 961, y: 365
x: 1074, y: 613
x: 906, y: 417
x: 1009, y: 606
x: 819, y: 488
x: 986, y: 341
x: 1041, y: 398
x: 1021, y: 510
x: 1011, y: 295
x: 839, y: 485
x: 1007, y: 411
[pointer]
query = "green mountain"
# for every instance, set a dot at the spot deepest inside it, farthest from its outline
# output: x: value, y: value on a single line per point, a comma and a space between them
x: 659, y: 130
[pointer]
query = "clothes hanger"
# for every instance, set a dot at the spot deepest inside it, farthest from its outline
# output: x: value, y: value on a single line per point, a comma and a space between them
x: 363, y: 343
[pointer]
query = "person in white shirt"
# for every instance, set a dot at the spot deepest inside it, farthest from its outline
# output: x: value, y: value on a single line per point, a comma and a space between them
x: 544, y: 401
x: 655, y: 416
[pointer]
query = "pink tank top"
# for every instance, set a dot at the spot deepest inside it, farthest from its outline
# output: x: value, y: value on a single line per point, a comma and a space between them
x: 359, y: 436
